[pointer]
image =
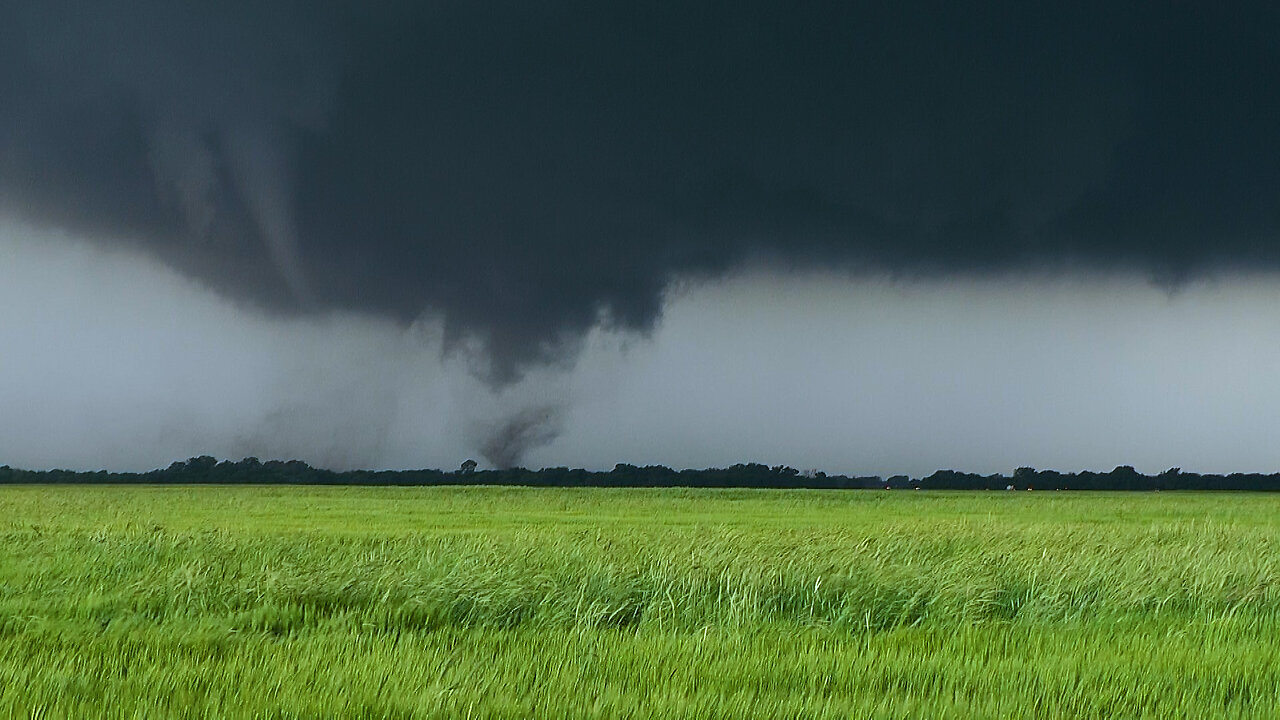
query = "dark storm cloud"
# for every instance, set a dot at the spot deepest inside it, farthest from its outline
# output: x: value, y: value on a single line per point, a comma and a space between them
x: 529, y: 169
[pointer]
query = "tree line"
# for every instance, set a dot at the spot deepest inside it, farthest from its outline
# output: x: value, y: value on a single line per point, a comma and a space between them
x: 251, y: 471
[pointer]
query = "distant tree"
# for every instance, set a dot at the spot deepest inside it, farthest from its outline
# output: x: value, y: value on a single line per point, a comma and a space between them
x: 1125, y: 477
x: 202, y: 464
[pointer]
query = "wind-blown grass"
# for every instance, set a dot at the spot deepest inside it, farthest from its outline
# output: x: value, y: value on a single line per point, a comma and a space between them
x: 389, y: 602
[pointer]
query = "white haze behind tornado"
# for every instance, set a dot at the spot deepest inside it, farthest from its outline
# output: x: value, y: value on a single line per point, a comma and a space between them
x: 110, y: 360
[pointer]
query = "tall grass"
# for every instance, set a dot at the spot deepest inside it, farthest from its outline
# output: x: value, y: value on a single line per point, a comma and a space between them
x: 665, y: 603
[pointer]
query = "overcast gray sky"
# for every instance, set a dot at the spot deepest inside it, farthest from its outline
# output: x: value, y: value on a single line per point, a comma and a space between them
x: 871, y: 237
x: 111, y: 359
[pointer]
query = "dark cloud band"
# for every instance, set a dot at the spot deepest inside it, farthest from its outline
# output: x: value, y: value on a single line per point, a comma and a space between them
x: 529, y: 169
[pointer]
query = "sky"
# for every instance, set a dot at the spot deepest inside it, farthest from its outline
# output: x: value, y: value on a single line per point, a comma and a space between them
x: 861, y: 237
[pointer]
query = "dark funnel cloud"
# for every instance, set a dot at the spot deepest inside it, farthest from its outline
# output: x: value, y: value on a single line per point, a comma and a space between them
x: 514, y: 436
x: 529, y: 170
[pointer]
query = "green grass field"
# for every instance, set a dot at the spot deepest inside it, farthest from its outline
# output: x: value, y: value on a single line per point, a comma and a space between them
x: 490, y: 602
